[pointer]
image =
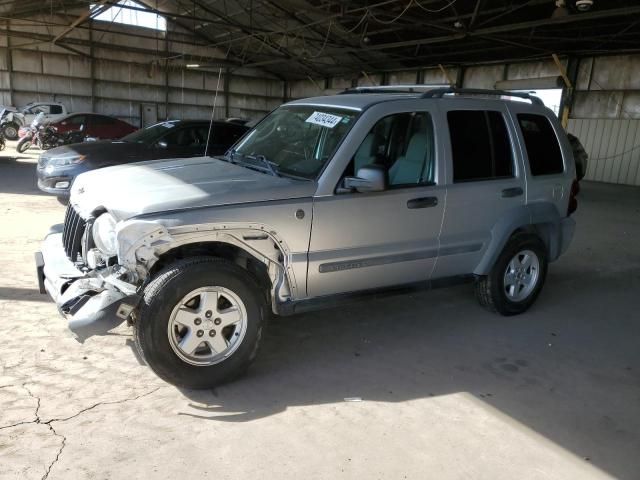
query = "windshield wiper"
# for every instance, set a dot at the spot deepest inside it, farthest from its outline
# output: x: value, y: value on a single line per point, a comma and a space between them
x: 271, y: 167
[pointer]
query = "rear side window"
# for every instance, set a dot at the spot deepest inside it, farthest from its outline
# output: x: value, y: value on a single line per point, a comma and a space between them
x: 55, y: 109
x: 77, y: 120
x: 225, y: 134
x: 480, y: 145
x: 100, y: 120
x: 543, y: 150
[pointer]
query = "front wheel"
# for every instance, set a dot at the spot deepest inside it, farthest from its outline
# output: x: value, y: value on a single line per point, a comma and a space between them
x: 24, y: 144
x: 10, y: 131
x: 200, y: 322
x: 516, y: 279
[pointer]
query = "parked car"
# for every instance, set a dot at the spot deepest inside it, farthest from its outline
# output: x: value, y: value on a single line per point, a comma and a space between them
x: 22, y: 117
x: 94, y: 125
x: 58, y: 167
x: 325, y: 198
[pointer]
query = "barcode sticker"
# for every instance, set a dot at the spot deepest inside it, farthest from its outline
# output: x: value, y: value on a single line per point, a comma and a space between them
x: 324, y: 119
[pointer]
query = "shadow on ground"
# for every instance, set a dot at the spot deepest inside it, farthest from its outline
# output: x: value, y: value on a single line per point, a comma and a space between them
x: 18, y: 174
x: 568, y: 369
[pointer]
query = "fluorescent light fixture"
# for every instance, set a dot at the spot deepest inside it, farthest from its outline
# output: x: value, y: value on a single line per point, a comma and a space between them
x: 193, y: 65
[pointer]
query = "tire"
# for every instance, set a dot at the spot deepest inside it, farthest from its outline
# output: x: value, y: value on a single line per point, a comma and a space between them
x: 63, y: 200
x: 24, y: 144
x: 495, y: 293
x: 158, y: 335
x: 10, y: 131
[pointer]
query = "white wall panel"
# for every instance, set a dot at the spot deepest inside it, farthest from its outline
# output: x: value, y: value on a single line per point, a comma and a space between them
x: 613, y: 146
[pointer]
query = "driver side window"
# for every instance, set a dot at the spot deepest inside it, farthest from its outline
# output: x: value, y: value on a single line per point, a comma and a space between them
x: 403, y: 144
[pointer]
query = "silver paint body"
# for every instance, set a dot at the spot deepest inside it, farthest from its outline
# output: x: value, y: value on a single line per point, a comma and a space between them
x: 344, y: 242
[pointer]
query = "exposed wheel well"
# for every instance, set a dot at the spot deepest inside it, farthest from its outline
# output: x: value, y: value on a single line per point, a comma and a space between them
x: 545, y: 232
x: 221, y: 250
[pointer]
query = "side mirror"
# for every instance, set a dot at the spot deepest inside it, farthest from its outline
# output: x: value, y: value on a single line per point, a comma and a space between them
x: 162, y: 144
x: 370, y: 178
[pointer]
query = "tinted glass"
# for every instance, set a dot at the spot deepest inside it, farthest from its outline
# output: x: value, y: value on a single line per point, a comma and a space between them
x: 77, y: 120
x: 226, y: 134
x: 39, y: 109
x: 480, y: 145
x: 150, y: 134
x: 186, y: 137
x: 543, y: 150
x: 56, y: 110
x: 101, y: 120
x: 502, y: 152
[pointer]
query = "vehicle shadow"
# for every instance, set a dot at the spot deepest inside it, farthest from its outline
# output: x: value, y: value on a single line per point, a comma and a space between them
x: 552, y: 369
x: 22, y: 294
x: 18, y: 174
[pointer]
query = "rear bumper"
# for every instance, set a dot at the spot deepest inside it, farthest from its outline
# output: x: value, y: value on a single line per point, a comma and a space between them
x: 567, y: 229
x: 85, y: 299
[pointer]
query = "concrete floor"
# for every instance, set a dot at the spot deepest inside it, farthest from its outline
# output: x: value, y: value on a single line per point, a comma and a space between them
x: 445, y: 389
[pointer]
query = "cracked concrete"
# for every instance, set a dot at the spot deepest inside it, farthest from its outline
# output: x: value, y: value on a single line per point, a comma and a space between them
x: 438, y: 388
x: 39, y: 421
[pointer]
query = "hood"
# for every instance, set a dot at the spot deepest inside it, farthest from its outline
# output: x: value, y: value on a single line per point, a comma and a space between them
x: 103, y: 148
x: 158, y: 186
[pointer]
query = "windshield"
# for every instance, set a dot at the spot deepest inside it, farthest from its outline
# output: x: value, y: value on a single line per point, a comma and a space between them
x: 296, y: 139
x: 150, y: 134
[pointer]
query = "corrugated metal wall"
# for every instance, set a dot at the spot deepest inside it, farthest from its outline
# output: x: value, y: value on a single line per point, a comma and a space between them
x: 613, y: 146
x: 127, y: 73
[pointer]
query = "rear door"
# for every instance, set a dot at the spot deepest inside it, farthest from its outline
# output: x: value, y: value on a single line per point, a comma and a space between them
x: 485, y: 181
x: 547, y: 167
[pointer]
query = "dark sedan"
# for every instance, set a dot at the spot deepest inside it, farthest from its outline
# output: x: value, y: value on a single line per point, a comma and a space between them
x: 58, y: 167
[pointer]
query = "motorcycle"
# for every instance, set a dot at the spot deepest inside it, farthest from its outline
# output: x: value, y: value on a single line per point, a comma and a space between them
x: 9, y: 124
x: 46, y: 137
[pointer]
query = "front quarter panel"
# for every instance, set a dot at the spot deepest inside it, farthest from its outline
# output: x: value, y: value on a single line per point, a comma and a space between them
x: 286, y: 222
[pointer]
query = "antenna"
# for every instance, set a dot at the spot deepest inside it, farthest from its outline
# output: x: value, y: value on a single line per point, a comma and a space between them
x: 213, y: 112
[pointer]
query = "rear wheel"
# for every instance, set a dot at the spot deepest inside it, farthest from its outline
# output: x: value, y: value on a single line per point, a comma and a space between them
x: 200, y: 322
x: 517, y: 277
x: 24, y: 144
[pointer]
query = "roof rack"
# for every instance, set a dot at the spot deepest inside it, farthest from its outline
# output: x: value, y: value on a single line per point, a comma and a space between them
x: 390, y: 89
x: 440, y: 92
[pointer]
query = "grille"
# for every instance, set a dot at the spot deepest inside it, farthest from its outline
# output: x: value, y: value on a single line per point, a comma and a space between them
x: 72, y: 232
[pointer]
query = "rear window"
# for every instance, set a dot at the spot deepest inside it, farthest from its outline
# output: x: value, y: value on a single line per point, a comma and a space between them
x: 480, y: 145
x: 543, y: 150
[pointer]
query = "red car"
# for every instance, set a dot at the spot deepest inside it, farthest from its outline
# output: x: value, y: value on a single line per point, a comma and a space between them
x: 95, y: 125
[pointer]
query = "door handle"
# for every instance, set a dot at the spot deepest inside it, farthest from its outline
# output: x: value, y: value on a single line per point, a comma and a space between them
x: 512, y: 192
x: 424, y: 202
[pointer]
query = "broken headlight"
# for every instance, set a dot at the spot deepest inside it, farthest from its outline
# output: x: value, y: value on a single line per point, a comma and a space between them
x: 104, y: 234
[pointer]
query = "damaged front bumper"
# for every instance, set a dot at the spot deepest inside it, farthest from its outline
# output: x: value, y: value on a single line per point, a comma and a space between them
x: 84, y: 298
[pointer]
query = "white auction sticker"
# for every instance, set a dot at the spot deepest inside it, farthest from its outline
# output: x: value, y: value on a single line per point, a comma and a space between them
x: 324, y: 119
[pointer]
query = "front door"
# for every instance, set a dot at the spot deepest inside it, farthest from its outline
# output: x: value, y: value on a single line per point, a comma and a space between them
x: 362, y: 241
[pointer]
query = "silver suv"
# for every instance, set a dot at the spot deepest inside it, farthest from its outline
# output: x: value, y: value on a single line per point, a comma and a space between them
x: 326, y: 197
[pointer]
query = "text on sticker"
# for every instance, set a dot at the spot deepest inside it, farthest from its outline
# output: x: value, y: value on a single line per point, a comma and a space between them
x: 324, y: 119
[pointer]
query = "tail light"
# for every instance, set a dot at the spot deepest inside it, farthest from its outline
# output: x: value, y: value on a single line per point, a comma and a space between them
x: 573, y: 201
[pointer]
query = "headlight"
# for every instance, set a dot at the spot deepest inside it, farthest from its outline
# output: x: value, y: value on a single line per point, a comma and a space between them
x: 104, y: 234
x: 67, y: 160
